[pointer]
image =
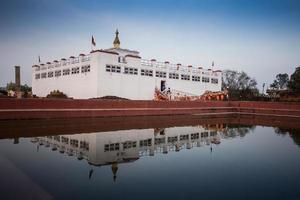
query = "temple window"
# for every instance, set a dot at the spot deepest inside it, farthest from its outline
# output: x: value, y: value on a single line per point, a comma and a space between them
x: 85, y: 69
x: 113, y: 68
x: 173, y: 76
x: 145, y: 72
x: 66, y: 72
x: 205, y: 79
x: 57, y: 73
x: 37, y: 76
x: 161, y: 74
x: 50, y: 74
x: 196, y: 78
x: 130, y: 70
x: 75, y: 70
x: 214, y: 80
x: 185, y: 77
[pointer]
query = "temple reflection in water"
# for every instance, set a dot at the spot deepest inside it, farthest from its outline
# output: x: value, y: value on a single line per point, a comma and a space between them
x: 111, y: 148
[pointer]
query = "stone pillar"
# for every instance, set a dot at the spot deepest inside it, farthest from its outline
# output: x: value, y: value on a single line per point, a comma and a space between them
x: 18, y: 81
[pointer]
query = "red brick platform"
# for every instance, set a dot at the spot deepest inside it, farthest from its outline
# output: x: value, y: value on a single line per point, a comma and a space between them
x: 68, y: 108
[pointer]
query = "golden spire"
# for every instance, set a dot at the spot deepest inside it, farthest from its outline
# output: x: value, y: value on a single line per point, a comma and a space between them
x: 117, y: 40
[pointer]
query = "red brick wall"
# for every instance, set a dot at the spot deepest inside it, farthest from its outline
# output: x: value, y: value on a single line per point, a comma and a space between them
x: 135, y: 108
x: 69, y: 103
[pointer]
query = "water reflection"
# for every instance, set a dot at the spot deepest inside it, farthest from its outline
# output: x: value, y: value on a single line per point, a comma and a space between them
x: 293, y: 133
x: 129, y: 163
x: 112, y: 148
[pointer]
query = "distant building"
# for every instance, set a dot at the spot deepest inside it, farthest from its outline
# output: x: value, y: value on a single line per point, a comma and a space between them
x: 122, y: 73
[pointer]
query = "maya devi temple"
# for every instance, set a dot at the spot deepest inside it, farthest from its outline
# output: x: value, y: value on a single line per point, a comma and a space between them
x: 122, y: 73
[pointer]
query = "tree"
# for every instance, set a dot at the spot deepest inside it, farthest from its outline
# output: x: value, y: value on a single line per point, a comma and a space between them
x: 280, y: 82
x: 233, y: 80
x: 239, y: 84
x: 294, y: 83
x: 12, y: 86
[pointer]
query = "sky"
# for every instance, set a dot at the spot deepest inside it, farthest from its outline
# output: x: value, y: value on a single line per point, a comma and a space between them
x: 260, y: 37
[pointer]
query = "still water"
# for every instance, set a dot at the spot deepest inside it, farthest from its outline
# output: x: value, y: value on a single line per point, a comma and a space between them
x: 184, y: 162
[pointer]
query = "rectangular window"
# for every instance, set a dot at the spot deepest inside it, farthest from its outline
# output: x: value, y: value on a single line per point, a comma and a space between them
x: 65, y: 140
x: 213, y: 133
x: 184, y: 137
x: 113, y: 68
x: 130, y: 70
x: 161, y: 74
x: 112, y: 147
x: 86, y: 68
x: 44, y: 75
x: 172, y: 139
x: 204, y: 134
x: 146, y: 72
x: 57, y: 73
x: 84, y: 145
x: 205, y: 79
x: 66, y: 72
x: 50, y: 74
x: 160, y: 140
x: 214, y: 80
x: 37, y: 76
x: 196, y: 78
x: 194, y: 136
x: 108, y: 68
x: 185, y: 77
x: 129, y: 144
x: 173, y: 76
x: 56, y: 138
x: 75, y: 70
x: 74, y: 143
x: 145, y: 143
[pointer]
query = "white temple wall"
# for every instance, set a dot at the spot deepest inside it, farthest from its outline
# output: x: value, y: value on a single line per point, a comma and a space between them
x: 135, y: 87
x: 78, y: 86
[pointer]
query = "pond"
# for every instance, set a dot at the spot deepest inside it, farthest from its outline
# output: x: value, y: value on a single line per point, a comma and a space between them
x: 195, y: 161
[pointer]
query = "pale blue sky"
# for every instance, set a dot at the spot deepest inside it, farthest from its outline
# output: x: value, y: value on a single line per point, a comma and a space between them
x: 260, y: 37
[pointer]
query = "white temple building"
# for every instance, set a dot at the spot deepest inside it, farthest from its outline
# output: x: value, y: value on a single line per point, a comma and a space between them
x: 122, y: 73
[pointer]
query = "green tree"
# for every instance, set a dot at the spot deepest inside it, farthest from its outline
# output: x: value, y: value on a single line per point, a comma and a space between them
x: 12, y: 86
x: 280, y: 82
x: 294, y: 83
x: 239, y: 85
